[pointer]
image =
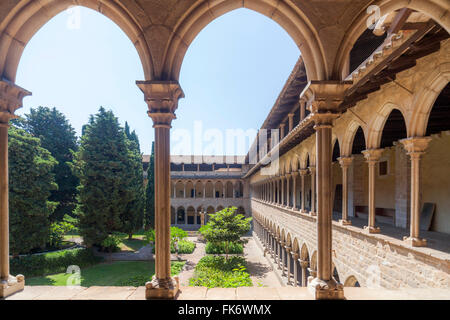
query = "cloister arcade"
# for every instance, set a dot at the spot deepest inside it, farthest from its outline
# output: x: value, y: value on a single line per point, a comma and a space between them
x: 338, y: 94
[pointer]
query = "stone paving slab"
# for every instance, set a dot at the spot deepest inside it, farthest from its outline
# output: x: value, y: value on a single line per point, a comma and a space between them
x: 256, y: 293
x: 221, y: 294
x: 61, y: 293
x: 105, y: 293
x: 192, y: 293
x: 138, y: 294
x: 294, y: 293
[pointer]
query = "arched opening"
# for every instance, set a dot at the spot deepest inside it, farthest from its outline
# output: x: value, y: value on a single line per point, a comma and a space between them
x: 218, y: 187
x: 198, y: 219
x: 190, y: 191
x: 357, y: 177
x: 199, y: 189
x: 337, y: 181
x: 190, y: 215
x: 179, y: 189
x: 351, y: 282
x: 173, y: 216
x: 229, y: 189
x: 239, y: 189
x: 209, y: 190
x: 435, y: 164
x: 181, y: 215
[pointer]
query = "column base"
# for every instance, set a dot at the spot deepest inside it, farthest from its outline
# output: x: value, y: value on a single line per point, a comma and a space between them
x: 345, y: 222
x: 372, y: 229
x: 304, y: 211
x: 415, y: 242
x: 13, y: 285
x: 312, y: 213
x: 162, y: 288
x: 325, y: 290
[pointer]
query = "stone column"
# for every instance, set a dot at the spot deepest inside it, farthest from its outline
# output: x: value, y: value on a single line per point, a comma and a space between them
x: 415, y: 148
x: 345, y: 163
x: 278, y: 190
x: 302, y: 104
x: 204, y: 190
x: 312, y: 171
x: 294, y: 190
x: 282, y: 126
x: 372, y: 157
x: 162, y: 99
x: 282, y: 190
x: 288, y: 262
x: 291, y: 121
x: 281, y: 261
x: 11, y: 97
x: 304, y: 266
x: 303, y: 173
x: 184, y: 190
x: 295, y: 258
x: 288, y: 189
x: 324, y: 98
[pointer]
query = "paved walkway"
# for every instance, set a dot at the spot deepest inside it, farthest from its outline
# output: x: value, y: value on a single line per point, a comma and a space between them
x: 191, y: 261
x: 261, y: 272
x: 242, y: 293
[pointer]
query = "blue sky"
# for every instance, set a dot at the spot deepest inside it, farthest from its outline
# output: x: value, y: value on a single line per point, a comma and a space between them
x: 231, y: 74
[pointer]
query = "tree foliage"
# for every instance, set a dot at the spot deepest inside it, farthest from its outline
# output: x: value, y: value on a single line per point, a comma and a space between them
x: 31, y: 181
x: 226, y: 227
x: 102, y: 165
x: 58, y: 137
x: 149, y: 219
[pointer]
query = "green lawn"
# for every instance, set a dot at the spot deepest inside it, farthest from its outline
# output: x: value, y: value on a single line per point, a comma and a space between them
x: 132, y: 245
x: 120, y: 273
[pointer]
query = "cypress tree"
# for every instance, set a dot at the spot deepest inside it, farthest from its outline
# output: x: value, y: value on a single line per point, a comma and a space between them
x: 101, y: 164
x: 31, y: 181
x: 132, y: 217
x: 58, y: 137
x: 150, y: 192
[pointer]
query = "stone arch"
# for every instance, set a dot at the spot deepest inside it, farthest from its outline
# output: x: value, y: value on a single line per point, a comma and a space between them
x: 377, y: 124
x: 435, y: 9
x: 173, y: 216
x: 313, y: 262
x: 27, y: 18
x: 288, y: 239
x: 351, y: 281
x: 220, y: 208
x: 424, y: 99
x: 181, y: 214
x: 296, y: 246
x: 304, y: 253
x: 304, y: 159
x: 347, y: 143
x: 288, y: 16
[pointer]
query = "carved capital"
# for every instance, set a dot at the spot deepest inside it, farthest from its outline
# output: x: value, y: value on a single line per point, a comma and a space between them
x: 372, y: 155
x: 11, y: 97
x: 303, y: 172
x: 312, y: 170
x: 345, y: 162
x: 304, y: 264
x: 416, y: 146
x: 162, y: 100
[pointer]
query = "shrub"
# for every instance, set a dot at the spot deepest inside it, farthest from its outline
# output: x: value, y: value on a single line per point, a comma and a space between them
x: 219, y: 248
x: 57, y: 232
x: 218, y: 272
x: 149, y: 236
x: 53, y: 262
x: 112, y: 242
x: 184, y: 246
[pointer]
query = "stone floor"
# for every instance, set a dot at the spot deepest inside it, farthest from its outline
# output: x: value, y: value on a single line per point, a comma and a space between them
x: 242, y: 293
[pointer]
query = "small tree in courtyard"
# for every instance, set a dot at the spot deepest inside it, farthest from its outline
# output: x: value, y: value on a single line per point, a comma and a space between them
x: 227, y: 227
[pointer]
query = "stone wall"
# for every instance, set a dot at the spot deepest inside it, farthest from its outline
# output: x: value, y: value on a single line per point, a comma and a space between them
x: 374, y: 259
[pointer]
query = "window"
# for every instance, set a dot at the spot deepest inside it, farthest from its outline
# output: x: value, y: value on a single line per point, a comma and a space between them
x: 383, y: 168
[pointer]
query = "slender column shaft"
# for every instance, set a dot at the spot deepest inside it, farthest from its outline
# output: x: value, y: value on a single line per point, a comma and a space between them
x: 288, y: 198
x: 372, y: 156
x: 294, y: 190
x: 313, y: 190
x: 304, y: 265
x: 295, y: 258
x: 4, y: 204
x: 345, y: 163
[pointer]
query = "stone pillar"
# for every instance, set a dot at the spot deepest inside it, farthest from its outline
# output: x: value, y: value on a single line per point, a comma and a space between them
x: 312, y: 171
x: 288, y: 189
x: 372, y: 157
x: 288, y: 262
x: 303, y: 173
x: 402, y: 186
x: 282, y: 190
x: 204, y: 190
x: 302, y: 104
x: 291, y: 121
x: 282, y: 257
x: 184, y: 190
x: 279, y: 191
x: 282, y: 131
x: 345, y: 163
x: 11, y: 97
x: 295, y: 258
x: 324, y: 98
x: 304, y: 266
x: 162, y: 99
x: 294, y: 190
x: 415, y: 148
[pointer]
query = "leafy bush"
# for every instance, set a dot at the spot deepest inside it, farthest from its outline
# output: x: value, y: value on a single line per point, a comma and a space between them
x: 112, y: 242
x: 177, y: 234
x: 57, y: 232
x: 218, y: 272
x: 149, y: 236
x: 53, y: 262
x: 219, y: 248
x: 184, y: 246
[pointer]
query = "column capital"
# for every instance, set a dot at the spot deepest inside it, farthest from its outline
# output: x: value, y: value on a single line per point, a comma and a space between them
x: 288, y: 248
x: 295, y: 173
x: 312, y: 169
x: 11, y: 97
x: 291, y: 115
x: 282, y: 125
x: 303, y: 172
x: 304, y: 263
x: 325, y: 96
x: 415, y: 145
x: 372, y: 155
x: 162, y: 100
x: 345, y: 162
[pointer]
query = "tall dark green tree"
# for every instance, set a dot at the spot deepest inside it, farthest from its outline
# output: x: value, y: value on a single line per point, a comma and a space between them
x: 58, y: 137
x: 133, y: 217
x: 31, y: 182
x: 149, y: 219
x: 102, y: 165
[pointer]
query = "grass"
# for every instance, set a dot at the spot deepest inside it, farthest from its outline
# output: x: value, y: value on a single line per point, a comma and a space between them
x: 127, y: 245
x: 120, y: 273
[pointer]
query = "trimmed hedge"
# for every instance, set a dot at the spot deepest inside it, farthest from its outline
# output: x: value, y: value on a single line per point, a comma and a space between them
x: 217, y: 272
x: 234, y: 248
x: 53, y: 262
x: 184, y: 246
